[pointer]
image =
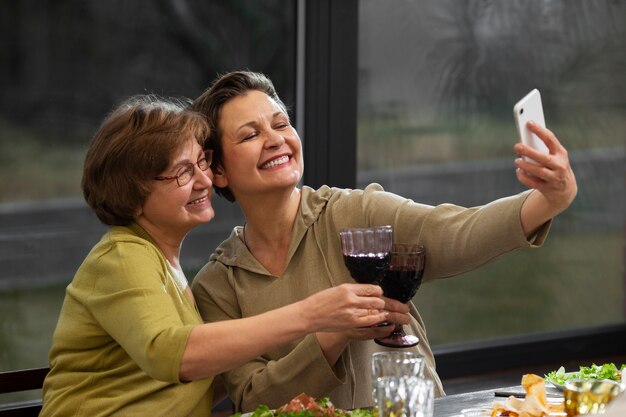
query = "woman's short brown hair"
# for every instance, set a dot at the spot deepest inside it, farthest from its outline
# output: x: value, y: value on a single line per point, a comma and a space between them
x: 210, y: 104
x: 135, y: 143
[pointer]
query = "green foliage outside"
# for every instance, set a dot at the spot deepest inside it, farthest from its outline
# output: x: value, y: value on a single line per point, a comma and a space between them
x: 574, y: 281
x: 35, y: 167
x: 423, y: 139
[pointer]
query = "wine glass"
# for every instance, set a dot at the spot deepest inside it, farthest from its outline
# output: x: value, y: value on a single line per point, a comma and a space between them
x: 366, y: 252
x: 401, y: 282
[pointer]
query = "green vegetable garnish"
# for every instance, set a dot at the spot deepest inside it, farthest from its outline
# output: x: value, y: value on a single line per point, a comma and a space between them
x: 325, y: 409
x: 606, y: 371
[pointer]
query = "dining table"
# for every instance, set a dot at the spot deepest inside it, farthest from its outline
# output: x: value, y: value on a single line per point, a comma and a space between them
x: 453, y: 405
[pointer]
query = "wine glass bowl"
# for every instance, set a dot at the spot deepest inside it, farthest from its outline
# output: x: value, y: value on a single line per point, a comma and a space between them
x: 405, y: 273
x: 366, y: 252
x: 401, y: 282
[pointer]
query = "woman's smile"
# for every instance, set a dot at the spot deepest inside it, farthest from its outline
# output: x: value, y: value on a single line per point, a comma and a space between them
x: 276, y: 162
x: 198, y: 201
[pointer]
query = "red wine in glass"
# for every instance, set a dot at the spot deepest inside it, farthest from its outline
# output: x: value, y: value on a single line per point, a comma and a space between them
x: 401, y: 282
x: 367, y: 268
x: 366, y: 252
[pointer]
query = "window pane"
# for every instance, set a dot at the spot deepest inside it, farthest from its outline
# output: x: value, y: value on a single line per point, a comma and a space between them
x: 436, y: 92
x: 63, y: 66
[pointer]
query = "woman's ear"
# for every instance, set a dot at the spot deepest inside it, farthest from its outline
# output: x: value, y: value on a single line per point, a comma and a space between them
x: 219, y: 177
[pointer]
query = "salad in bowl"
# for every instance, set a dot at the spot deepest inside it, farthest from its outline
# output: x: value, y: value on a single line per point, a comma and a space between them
x: 609, y: 371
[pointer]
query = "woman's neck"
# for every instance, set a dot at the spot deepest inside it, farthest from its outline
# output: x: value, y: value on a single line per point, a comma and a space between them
x: 269, y: 222
x: 169, y: 243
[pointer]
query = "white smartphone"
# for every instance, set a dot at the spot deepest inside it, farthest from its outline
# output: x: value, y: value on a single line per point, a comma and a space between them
x: 530, y: 108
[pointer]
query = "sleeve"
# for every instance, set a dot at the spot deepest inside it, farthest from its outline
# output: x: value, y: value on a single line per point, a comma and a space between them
x: 133, y: 301
x: 271, y: 379
x: 457, y: 239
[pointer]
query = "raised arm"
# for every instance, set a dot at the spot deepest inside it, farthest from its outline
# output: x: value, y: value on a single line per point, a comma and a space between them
x: 551, y: 178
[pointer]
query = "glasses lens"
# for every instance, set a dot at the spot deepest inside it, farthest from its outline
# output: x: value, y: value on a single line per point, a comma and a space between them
x: 204, y: 164
x: 185, y: 175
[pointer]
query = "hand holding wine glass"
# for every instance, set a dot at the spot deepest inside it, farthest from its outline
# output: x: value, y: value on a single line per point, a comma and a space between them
x: 403, y: 279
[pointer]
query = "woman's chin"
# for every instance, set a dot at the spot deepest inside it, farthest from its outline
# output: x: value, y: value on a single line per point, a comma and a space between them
x: 204, y: 216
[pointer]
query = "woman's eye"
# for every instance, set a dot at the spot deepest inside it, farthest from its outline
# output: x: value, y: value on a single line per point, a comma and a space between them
x: 188, y: 168
x: 250, y: 136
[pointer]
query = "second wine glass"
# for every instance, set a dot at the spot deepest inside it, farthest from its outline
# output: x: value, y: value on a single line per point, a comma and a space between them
x: 403, y: 279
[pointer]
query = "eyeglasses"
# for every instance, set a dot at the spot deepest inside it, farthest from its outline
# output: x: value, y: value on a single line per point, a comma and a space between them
x: 185, y: 174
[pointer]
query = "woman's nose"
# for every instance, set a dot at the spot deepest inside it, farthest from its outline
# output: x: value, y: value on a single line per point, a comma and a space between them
x: 204, y: 177
x: 274, y: 139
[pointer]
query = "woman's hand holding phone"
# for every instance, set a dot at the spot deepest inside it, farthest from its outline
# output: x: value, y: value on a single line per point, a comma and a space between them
x: 547, y: 171
x: 530, y: 109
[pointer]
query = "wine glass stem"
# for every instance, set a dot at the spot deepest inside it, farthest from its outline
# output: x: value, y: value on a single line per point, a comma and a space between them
x: 398, y: 330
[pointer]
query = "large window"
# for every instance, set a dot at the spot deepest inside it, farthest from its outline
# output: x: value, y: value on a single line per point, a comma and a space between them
x: 437, y: 80
x: 63, y: 65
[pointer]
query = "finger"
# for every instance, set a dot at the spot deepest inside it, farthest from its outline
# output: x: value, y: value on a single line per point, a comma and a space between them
x: 370, y: 303
x: 372, y: 319
x: 374, y: 332
x: 534, y: 176
x: 368, y: 312
x: 546, y: 187
x: 398, y: 318
x: 370, y: 332
x: 545, y: 135
x: 532, y: 170
x: 529, y: 181
x: 539, y: 158
x: 367, y: 290
x: 395, y: 305
x: 551, y: 189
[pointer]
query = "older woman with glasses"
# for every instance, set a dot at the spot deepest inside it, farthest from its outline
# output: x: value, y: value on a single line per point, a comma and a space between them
x: 130, y: 340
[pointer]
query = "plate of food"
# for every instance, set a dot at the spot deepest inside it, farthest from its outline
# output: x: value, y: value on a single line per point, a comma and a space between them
x: 559, y: 377
x: 534, y: 404
x: 306, y: 406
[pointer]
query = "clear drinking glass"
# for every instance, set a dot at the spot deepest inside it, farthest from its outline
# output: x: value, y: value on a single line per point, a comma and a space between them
x: 401, y: 282
x: 396, y: 363
x: 408, y: 396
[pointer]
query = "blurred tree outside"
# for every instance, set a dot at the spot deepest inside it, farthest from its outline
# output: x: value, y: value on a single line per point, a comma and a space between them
x: 65, y: 64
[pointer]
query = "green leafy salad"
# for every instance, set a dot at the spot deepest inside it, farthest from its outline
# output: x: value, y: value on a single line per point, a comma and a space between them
x: 606, y: 371
x: 305, y: 406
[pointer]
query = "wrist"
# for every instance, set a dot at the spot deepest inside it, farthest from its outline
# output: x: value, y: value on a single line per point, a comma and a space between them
x: 307, y: 322
x: 332, y: 345
x: 535, y: 211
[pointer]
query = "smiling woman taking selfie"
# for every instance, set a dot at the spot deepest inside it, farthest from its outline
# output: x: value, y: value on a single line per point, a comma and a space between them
x: 289, y: 247
x: 130, y: 340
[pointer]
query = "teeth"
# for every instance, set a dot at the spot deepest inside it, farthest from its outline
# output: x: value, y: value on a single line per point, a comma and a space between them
x: 199, y: 200
x: 276, y: 162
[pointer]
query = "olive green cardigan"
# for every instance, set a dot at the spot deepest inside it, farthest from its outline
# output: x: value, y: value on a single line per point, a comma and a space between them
x: 119, y: 341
